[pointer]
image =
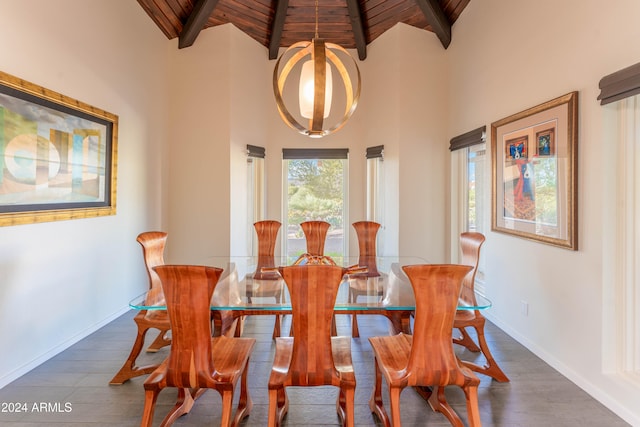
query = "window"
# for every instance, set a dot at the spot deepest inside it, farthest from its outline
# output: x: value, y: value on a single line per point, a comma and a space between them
x: 475, y: 197
x: 469, y: 172
x: 475, y: 188
x: 315, y: 185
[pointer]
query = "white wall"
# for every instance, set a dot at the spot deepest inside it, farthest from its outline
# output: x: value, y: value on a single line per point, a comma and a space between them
x: 199, y: 133
x: 509, y: 56
x: 61, y: 280
x: 250, y: 103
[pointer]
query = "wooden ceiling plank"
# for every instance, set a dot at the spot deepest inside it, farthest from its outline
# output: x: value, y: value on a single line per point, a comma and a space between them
x: 454, y: 8
x: 276, y: 28
x: 179, y: 8
x: 390, y: 17
x: 196, y: 21
x: 159, y: 16
x: 336, y: 22
x: 358, y: 28
x: 241, y: 14
x: 372, y: 8
x: 257, y: 7
x: 437, y: 19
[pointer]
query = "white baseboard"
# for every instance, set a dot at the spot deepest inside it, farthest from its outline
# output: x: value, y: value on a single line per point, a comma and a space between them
x: 17, y: 373
x: 594, y: 391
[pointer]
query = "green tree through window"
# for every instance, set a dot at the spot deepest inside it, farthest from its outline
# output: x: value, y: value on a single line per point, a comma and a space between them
x: 315, y: 191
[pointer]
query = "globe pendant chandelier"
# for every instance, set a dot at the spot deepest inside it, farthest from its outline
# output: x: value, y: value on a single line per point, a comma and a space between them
x: 316, y: 85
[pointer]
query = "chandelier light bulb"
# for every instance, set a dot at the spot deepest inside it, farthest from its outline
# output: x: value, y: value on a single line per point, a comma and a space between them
x: 307, y: 90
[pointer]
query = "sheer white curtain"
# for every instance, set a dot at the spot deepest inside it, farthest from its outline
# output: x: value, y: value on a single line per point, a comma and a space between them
x: 375, y: 197
x: 621, y: 266
x: 256, y: 203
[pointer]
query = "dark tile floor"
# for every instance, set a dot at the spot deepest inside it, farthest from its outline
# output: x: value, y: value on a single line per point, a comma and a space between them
x: 72, y: 388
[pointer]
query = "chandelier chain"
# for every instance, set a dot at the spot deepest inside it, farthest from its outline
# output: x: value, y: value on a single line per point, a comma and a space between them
x: 316, y: 19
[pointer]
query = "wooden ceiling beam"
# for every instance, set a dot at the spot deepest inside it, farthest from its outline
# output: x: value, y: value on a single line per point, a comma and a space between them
x: 195, y: 22
x: 436, y: 17
x: 276, y: 28
x: 358, y: 28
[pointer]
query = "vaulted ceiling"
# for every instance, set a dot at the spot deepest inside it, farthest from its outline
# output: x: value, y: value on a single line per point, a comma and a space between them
x: 352, y: 24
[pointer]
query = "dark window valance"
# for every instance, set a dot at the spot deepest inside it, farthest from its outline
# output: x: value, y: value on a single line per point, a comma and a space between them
x: 619, y: 85
x: 375, y: 152
x: 314, y: 153
x: 476, y: 136
x: 255, y: 151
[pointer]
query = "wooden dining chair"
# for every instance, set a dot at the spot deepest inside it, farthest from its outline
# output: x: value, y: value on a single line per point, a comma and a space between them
x: 265, y: 282
x: 153, y: 244
x: 426, y: 358
x: 315, y: 233
x: 470, y: 244
x: 359, y: 284
x: 312, y: 357
x: 197, y: 361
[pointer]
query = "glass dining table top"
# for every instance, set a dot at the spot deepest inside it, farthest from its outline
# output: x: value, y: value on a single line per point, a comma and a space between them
x: 254, y: 283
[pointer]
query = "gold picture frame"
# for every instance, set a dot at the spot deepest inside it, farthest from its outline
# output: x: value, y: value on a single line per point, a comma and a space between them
x: 534, y: 173
x: 58, y: 156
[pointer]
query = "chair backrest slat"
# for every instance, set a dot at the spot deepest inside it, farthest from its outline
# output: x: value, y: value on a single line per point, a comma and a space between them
x: 367, y: 232
x: 313, y: 290
x: 267, y: 232
x: 315, y: 233
x: 188, y: 290
x: 470, y: 243
x: 153, y: 244
x: 436, y: 288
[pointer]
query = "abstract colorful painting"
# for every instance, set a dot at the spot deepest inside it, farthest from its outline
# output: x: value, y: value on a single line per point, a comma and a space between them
x: 57, y: 156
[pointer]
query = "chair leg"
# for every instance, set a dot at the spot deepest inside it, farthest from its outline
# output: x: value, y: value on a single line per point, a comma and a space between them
x: 278, y: 406
x: 345, y: 406
x: 491, y: 368
x: 227, y: 407
x: 183, y: 405
x: 473, y: 411
x: 273, y: 408
x: 355, y: 332
x: 375, y: 402
x: 129, y: 369
x: 244, y: 403
x: 150, y: 398
x: 438, y: 403
x: 466, y: 341
x: 160, y: 341
x: 394, y: 403
x: 239, y: 328
x: 276, y: 328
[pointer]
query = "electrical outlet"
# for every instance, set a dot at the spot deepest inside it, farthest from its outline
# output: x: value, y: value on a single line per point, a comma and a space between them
x: 524, y: 308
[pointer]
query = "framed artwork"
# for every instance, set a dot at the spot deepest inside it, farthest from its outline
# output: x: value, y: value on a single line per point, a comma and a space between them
x: 57, y: 156
x: 534, y: 173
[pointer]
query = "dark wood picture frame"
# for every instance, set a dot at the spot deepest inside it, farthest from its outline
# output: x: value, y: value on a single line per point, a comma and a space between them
x: 535, y: 187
